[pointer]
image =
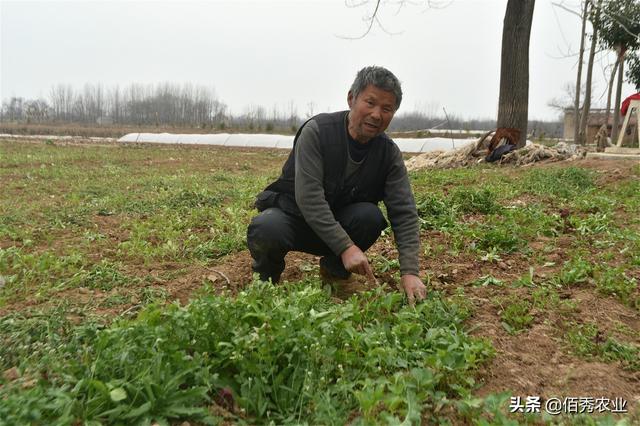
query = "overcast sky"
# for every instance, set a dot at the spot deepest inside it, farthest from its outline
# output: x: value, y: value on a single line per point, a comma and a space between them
x: 275, y: 52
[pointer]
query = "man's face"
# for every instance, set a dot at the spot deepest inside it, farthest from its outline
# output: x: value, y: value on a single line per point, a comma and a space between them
x: 371, y: 112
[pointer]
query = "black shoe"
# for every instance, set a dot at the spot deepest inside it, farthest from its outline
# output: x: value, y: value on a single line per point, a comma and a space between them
x: 332, y: 267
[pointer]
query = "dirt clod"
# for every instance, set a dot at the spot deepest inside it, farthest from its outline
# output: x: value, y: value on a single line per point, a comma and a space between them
x: 11, y: 374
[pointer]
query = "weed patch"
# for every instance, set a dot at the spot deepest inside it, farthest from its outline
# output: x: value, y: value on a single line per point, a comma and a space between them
x: 594, y: 223
x: 435, y: 212
x: 35, y: 273
x: 587, y: 341
x: 495, y: 237
x: 558, y: 182
x: 575, y: 271
x: 468, y: 200
x: 617, y: 283
x: 103, y: 276
x: 515, y: 314
x: 290, y: 356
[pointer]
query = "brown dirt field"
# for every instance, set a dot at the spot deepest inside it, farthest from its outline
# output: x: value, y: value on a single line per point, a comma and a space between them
x: 537, y: 362
x: 533, y: 362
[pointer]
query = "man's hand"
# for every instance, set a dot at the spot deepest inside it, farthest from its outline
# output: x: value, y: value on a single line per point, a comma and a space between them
x: 414, y: 288
x: 354, y: 260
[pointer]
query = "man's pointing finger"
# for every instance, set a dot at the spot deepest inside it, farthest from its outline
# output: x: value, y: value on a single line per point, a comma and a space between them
x: 412, y: 300
x: 370, y: 275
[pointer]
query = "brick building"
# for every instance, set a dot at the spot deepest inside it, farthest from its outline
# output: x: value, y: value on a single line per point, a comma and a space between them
x: 595, y: 120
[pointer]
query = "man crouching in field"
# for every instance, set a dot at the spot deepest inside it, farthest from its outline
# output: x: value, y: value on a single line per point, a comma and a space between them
x: 326, y: 200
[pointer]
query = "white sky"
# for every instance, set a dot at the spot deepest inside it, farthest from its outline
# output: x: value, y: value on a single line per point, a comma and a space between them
x: 274, y: 52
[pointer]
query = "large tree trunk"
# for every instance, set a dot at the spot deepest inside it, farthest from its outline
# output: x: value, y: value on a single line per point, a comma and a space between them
x: 576, y: 104
x: 616, y: 106
x: 609, y: 91
x: 582, y: 137
x: 513, y: 104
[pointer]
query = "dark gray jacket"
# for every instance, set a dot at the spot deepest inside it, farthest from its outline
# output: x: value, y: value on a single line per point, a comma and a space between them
x: 320, y: 177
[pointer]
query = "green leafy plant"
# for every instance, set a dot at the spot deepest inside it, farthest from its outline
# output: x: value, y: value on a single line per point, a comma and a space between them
x: 515, y: 314
x: 487, y: 280
x: 470, y: 200
x: 587, y: 341
x: 560, y: 182
x: 575, y: 271
x: 616, y: 282
x: 496, y: 238
x: 435, y: 212
x: 104, y: 276
x: 291, y: 355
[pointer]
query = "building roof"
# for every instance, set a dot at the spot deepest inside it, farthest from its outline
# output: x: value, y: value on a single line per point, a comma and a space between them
x: 597, y: 116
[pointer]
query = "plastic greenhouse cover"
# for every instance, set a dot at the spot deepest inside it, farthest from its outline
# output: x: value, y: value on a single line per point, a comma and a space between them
x: 280, y: 141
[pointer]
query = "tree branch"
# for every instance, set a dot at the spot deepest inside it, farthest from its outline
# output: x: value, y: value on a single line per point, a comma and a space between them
x: 565, y: 8
x: 371, y: 19
x: 374, y: 18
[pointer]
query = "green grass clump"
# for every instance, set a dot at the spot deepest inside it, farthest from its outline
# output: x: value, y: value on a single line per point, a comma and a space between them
x: 617, y: 283
x: 594, y: 223
x: 630, y: 191
x: 534, y: 220
x: 494, y: 233
x: 442, y: 213
x: 587, y: 341
x: 104, y: 276
x: 290, y: 356
x: 166, y: 198
x: 62, y: 219
x: 496, y: 236
x: 574, y: 272
x: 435, y: 212
x: 33, y: 340
x: 559, y: 182
x: 35, y: 273
x: 487, y: 280
x: 516, y: 314
x: 470, y: 200
x: 188, y: 199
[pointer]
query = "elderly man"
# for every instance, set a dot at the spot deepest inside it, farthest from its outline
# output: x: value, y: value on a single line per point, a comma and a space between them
x: 326, y: 200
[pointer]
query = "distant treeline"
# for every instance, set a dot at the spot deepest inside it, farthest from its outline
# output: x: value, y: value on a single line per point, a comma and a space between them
x: 196, y: 106
x: 135, y: 104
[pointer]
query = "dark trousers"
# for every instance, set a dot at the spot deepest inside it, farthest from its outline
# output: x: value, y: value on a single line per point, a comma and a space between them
x: 274, y: 233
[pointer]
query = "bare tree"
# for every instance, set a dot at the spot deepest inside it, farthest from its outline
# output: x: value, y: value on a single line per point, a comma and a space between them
x: 594, y: 17
x: 61, y: 97
x: 36, y: 110
x: 311, y: 107
x: 373, y: 18
x: 576, y: 104
x: 565, y: 100
x: 513, y: 103
x: 616, y: 109
x: 14, y: 108
x: 614, y: 70
x: 293, y: 114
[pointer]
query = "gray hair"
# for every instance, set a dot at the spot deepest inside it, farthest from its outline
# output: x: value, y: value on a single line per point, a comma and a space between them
x: 380, y: 77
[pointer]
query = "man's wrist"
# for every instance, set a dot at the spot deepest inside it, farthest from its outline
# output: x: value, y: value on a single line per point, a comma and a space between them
x: 345, y: 247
